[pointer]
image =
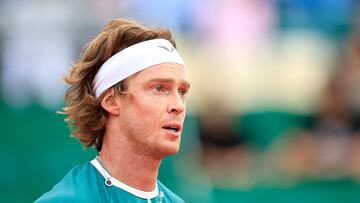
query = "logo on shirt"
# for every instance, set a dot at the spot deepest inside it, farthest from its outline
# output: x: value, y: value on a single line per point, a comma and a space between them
x: 171, y: 49
x: 161, y: 197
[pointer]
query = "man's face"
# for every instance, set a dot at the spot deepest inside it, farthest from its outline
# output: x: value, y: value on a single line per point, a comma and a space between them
x: 153, y: 113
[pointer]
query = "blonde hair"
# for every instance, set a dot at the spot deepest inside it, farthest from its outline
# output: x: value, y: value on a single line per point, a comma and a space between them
x: 85, y: 115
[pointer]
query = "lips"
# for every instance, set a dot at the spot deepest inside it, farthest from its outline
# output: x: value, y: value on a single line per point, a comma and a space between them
x: 173, y: 127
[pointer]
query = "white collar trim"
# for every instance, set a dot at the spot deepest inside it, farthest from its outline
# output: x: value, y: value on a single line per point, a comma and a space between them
x: 121, y: 185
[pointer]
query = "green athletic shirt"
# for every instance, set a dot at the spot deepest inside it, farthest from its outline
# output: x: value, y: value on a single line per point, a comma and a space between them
x: 86, y: 183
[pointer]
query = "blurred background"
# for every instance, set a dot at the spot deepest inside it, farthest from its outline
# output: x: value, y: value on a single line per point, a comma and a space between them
x: 273, y: 111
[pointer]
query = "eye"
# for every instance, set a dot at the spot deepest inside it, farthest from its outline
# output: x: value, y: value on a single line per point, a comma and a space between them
x: 183, y: 92
x: 159, y: 88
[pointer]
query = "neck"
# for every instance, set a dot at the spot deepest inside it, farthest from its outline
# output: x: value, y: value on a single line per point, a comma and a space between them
x: 134, y: 169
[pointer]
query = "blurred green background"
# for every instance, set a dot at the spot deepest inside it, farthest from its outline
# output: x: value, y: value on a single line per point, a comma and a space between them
x: 273, y: 111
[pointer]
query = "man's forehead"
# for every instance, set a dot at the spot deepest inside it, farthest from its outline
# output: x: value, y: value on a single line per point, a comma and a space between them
x: 169, y: 72
x: 166, y: 66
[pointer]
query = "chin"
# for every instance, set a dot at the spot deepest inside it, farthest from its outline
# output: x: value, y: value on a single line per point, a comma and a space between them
x: 172, y: 150
x: 169, y: 149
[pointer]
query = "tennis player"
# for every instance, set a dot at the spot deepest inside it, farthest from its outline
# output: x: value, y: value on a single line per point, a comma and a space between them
x: 127, y: 99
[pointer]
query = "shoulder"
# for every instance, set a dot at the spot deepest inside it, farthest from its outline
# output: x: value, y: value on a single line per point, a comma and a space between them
x: 74, y: 187
x: 169, y: 195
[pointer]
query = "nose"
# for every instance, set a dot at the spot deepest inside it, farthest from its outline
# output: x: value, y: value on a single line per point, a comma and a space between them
x: 177, y: 105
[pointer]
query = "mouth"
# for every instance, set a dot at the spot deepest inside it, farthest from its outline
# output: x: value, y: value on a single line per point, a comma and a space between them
x: 172, y: 127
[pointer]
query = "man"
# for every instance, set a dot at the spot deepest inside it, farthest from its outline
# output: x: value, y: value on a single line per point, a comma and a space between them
x: 127, y: 99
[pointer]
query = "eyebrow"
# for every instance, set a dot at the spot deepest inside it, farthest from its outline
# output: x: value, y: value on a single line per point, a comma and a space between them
x: 166, y: 80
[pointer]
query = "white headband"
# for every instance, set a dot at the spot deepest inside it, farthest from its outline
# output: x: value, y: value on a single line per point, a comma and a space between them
x: 132, y: 60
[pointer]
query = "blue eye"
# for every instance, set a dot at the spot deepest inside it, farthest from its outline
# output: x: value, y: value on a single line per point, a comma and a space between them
x: 159, y: 88
x: 183, y: 92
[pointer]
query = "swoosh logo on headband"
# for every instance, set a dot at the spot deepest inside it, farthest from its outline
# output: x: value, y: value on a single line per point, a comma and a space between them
x: 171, y: 49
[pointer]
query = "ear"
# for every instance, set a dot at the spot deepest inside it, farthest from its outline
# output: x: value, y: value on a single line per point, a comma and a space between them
x: 111, y: 103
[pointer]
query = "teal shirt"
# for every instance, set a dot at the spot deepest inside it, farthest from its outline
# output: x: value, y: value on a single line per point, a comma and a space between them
x: 86, y: 183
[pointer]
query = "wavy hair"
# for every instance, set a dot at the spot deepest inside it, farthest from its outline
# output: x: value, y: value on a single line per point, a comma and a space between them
x: 85, y: 115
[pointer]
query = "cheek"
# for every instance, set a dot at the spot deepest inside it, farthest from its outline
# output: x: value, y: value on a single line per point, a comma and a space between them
x: 147, y: 110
